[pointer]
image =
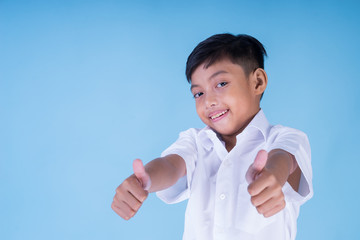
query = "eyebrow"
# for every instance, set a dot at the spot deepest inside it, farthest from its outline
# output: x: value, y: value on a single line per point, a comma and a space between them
x: 212, y: 76
x: 218, y: 73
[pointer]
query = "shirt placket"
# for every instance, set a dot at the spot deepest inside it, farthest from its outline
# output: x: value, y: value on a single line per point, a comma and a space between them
x: 222, y: 192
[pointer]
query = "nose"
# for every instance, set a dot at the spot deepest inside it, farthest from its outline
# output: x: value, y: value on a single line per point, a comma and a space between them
x: 210, y: 100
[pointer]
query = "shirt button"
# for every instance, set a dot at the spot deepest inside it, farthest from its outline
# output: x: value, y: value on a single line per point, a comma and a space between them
x: 222, y: 196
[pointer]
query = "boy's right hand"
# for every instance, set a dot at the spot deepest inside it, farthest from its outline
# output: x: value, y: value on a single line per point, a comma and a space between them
x: 131, y: 194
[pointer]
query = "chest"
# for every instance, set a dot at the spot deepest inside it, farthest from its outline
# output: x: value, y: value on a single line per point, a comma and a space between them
x: 217, y: 166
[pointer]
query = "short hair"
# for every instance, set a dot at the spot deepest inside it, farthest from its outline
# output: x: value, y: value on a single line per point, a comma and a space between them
x: 241, y: 49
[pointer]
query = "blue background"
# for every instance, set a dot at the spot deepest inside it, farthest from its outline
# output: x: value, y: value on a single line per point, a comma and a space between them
x: 88, y: 86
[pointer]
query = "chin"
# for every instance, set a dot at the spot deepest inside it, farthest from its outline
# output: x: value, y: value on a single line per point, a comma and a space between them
x: 223, y: 132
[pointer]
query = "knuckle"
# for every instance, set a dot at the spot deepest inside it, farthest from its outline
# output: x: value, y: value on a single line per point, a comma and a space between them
x: 126, y: 182
x: 137, y: 206
x: 128, y: 214
x: 277, y: 190
x: 132, y: 213
x: 280, y: 196
x: 118, y: 190
x: 253, y: 201
x: 272, y: 178
x: 144, y: 197
x: 259, y: 210
x: 129, y: 181
x: 250, y: 190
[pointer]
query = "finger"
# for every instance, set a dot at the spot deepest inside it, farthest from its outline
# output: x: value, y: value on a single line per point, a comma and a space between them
x: 260, y: 160
x: 131, y: 186
x: 262, y: 197
x: 141, y: 174
x: 274, y: 210
x: 268, y: 193
x: 257, y: 166
x: 270, y: 204
x: 264, y: 180
x: 133, y: 202
x: 129, y: 199
x: 122, y: 209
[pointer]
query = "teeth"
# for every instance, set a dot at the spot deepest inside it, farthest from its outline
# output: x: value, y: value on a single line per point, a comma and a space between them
x: 218, y: 115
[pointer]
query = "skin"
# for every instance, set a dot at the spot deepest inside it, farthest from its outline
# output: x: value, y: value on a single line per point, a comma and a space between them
x: 163, y: 172
x: 224, y: 87
x: 221, y: 88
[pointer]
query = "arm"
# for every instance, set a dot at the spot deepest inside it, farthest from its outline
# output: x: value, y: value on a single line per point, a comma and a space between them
x: 284, y: 167
x: 165, y: 172
x: 266, y: 177
x: 158, y: 174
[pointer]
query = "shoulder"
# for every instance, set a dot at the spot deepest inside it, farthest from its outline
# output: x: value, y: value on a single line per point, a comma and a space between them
x: 193, y: 138
x: 192, y: 132
x: 186, y: 145
x: 278, y: 130
x: 187, y: 137
x: 290, y: 139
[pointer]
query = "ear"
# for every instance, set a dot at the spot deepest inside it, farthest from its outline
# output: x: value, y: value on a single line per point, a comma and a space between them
x: 259, y: 80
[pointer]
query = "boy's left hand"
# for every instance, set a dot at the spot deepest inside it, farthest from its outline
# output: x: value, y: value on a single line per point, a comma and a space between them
x: 264, y: 187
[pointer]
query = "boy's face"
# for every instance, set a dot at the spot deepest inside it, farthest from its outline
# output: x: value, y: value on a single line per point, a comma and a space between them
x: 226, y: 99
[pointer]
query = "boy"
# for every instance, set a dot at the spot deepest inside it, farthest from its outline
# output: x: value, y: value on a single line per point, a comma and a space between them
x: 235, y: 188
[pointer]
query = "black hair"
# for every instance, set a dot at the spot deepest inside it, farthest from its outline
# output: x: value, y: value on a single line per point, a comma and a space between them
x: 241, y: 49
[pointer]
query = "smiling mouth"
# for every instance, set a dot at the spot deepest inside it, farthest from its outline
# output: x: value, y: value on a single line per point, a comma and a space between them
x: 218, y: 115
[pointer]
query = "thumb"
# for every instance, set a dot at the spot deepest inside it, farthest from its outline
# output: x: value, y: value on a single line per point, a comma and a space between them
x: 141, y: 174
x: 257, y: 166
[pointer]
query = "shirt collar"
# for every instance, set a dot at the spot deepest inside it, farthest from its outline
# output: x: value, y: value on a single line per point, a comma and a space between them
x: 207, y: 137
x: 259, y: 122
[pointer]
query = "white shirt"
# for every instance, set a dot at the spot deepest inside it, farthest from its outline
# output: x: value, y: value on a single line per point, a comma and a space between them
x: 219, y: 204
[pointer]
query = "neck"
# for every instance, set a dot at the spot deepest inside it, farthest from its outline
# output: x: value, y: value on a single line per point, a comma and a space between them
x: 230, y: 140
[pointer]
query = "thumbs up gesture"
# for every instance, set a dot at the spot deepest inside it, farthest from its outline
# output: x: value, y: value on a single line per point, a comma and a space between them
x: 257, y: 166
x: 131, y: 193
x: 141, y: 174
x: 265, y: 185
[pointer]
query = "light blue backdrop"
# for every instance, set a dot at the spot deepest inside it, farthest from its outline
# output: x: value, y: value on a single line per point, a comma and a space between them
x: 87, y: 86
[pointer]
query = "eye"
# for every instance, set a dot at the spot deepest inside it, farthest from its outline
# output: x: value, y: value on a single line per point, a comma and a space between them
x: 222, y: 84
x: 197, y: 95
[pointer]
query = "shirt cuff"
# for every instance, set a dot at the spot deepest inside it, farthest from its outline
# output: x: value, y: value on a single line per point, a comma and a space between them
x: 305, y: 191
x: 180, y: 191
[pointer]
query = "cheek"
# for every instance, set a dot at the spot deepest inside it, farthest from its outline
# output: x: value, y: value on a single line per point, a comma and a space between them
x: 200, y: 110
